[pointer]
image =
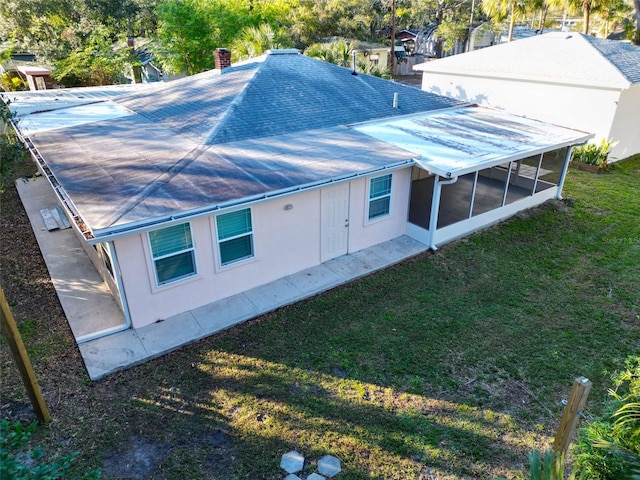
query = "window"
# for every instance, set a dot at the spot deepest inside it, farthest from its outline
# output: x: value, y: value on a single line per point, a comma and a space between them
x: 235, y: 236
x: 106, y: 257
x: 379, y: 196
x: 173, y: 253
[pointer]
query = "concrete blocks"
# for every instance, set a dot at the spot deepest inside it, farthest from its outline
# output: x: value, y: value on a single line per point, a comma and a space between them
x: 292, y: 462
x: 329, y: 466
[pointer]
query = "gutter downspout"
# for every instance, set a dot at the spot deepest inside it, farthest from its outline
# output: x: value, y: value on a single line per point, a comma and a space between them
x: 435, y: 207
x: 563, y: 174
x: 123, y: 299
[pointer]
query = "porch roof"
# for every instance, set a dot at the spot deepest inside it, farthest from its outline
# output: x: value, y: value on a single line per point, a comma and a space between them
x: 462, y: 140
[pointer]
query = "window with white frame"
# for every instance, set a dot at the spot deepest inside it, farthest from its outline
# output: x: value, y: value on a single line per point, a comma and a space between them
x: 173, y: 253
x: 379, y: 196
x: 235, y: 236
x: 106, y: 257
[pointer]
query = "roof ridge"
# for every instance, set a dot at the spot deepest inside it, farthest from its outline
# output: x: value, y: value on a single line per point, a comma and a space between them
x: 162, y: 179
x: 599, y: 43
x: 209, y: 137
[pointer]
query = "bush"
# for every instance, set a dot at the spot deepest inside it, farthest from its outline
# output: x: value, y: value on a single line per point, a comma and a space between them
x: 18, y: 463
x: 608, y: 448
x: 592, y: 154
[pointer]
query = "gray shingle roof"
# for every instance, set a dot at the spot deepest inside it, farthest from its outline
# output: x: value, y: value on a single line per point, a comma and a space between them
x: 624, y: 56
x: 272, y: 95
x: 276, y: 124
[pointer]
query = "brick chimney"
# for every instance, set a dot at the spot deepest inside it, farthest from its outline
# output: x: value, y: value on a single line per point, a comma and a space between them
x: 222, y: 57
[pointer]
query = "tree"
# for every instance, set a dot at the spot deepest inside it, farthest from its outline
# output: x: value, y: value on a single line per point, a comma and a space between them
x: 48, y: 28
x: 587, y: 7
x: 499, y: 10
x: 254, y: 41
x: 96, y: 63
x: 190, y: 30
x: 339, y: 52
x: 636, y: 36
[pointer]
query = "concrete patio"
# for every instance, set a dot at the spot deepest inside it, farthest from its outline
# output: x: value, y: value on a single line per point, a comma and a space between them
x: 89, y: 306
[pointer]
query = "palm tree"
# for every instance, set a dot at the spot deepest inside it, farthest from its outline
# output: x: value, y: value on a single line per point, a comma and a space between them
x: 499, y: 10
x: 586, y: 6
x: 338, y: 51
x: 253, y: 41
x: 636, y: 37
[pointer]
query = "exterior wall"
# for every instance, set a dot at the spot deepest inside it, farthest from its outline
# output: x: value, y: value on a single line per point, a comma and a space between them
x: 362, y: 233
x: 285, y: 242
x: 587, y: 109
x: 626, y: 124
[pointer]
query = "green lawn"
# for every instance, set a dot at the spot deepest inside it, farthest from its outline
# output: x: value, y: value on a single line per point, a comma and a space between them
x: 450, y: 365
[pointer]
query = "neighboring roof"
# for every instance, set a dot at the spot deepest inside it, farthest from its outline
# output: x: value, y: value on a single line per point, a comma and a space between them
x: 134, y: 157
x: 464, y: 140
x: 34, y: 71
x: 557, y: 57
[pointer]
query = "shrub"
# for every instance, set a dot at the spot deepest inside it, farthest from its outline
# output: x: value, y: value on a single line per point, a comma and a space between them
x: 593, y: 154
x: 608, y: 448
x: 18, y: 463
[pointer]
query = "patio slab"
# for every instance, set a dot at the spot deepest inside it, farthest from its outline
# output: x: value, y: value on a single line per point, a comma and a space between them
x: 171, y: 333
x: 85, y: 298
x: 225, y: 313
x: 272, y: 295
x: 315, y: 280
x: 112, y: 353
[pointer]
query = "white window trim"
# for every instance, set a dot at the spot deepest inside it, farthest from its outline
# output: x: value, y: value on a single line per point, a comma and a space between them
x: 156, y: 283
x: 369, y: 200
x: 224, y: 266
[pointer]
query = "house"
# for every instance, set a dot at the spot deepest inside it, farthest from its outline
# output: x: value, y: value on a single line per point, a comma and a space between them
x: 38, y: 78
x: 23, y: 69
x: 569, y: 79
x: 192, y: 191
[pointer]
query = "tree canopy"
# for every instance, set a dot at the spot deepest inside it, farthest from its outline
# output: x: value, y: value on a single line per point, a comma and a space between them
x: 72, y: 34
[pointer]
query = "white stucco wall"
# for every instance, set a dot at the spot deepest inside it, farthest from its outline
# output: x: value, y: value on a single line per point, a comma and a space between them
x: 588, y: 109
x: 285, y: 242
x: 626, y: 124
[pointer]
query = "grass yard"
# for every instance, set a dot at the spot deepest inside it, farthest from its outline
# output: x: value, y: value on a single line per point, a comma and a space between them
x: 451, y: 365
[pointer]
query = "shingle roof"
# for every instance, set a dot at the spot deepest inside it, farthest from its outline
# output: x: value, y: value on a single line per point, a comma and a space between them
x: 277, y: 124
x: 624, y: 56
x: 557, y: 57
x: 274, y: 94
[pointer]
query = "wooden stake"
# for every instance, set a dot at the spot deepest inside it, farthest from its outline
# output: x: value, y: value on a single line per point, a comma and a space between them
x: 10, y: 330
x: 570, y: 416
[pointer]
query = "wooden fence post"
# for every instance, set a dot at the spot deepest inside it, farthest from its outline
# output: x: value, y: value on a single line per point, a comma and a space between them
x: 570, y: 416
x: 11, y: 332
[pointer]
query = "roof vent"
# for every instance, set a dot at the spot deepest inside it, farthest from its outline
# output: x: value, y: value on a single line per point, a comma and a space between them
x: 395, y: 100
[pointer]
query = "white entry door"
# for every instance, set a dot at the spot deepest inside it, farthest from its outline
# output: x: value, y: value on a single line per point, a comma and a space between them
x: 334, y: 231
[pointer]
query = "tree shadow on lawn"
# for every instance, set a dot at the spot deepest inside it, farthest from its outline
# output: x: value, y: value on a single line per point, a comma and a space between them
x: 263, y: 409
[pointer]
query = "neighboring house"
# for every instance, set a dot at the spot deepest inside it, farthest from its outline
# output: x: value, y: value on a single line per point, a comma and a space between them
x: 24, y: 66
x: 568, y: 79
x: 373, y: 54
x: 188, y: 192
x: 38, y: 78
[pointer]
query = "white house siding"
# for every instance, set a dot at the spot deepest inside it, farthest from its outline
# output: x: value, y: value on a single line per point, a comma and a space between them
x: 285, y: 242
x: 588, y: 109
x: 626, y: 124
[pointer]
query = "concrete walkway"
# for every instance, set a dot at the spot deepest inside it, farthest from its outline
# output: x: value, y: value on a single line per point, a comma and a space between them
x: 117, y: 351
